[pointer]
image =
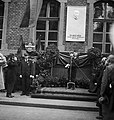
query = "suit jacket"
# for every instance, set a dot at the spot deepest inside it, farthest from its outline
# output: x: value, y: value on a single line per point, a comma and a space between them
x: 11, y: 71
x: 26, y: 67
x: 108, y: 77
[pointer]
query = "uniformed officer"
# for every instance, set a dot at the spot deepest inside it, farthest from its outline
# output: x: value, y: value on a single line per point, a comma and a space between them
x: 107, y: 90
x: 27, y: 69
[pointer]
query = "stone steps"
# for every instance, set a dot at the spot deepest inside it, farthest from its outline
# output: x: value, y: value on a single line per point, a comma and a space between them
x: 65, y: 94
x: 64, y: 97
x: 54, y: 98
x: 51, y: 103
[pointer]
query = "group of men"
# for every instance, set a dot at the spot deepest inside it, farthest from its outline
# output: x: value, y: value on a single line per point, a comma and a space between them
x: 105, y: 88
x: 22, y: 67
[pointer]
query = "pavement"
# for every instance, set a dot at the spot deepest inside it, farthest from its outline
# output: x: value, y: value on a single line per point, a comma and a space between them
x: 8, y: 112
x: 28, y: 101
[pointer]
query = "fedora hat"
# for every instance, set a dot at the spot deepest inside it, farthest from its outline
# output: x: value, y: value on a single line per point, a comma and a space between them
x: 111, y: 58
x: 30, y: 45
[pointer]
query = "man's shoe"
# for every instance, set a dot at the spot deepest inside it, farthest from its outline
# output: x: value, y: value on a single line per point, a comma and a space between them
x: 99, y: 117
x: 27, y: 94
x: 22, y: 94
x: 10, y: 96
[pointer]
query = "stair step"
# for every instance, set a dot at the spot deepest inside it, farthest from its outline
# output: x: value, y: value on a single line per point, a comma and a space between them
x: 66, y: 92
x: 65, y: 97
x: 50, y: 103
x: 79, y: 102
x: 58, y: 90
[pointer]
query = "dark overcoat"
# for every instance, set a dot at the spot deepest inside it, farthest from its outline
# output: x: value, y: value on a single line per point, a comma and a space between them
x: 107, y: 89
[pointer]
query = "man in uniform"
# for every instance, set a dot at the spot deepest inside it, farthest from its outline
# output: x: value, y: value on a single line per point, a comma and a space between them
x: 107, y: 90
x: 27, y: 68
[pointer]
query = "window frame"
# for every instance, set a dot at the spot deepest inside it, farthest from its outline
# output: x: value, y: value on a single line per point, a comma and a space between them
x: 90, y: 23
x: 47, y: 19
x: 1, y: 29
x: 104, y: 33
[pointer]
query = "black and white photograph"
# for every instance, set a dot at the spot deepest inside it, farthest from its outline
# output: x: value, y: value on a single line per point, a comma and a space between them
x: 56, y: 59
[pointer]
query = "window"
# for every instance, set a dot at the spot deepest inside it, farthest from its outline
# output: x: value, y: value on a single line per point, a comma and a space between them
x: 1, y: 20
x: 47, y: 24
x: 103, y: 18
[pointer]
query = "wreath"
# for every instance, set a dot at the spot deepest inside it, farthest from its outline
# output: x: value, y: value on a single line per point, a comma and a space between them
x: 52, y: 53
x: 94, y: 53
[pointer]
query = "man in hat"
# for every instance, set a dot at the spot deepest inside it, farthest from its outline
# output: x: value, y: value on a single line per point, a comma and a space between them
x: 27, y: 68
x: 107, y: 90
x: 11, y: 74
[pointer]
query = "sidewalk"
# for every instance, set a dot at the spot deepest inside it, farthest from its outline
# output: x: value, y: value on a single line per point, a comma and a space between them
x: 48, y: 103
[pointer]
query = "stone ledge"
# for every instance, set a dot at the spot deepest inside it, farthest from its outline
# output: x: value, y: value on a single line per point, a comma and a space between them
x: 7, y: 52
x: 65, y: 107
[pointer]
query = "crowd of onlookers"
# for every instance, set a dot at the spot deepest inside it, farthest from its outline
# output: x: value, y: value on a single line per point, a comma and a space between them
x: 12, y: 70
x: 19, y: 67
x: 104, y: 81
x: 12, y: 66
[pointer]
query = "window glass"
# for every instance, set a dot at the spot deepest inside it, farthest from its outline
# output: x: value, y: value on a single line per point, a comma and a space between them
x: 1, y: 22
x: 98, y: 46
x: 98, y: 26
x: 47, y: 24
x: 0, y: 43
x: 107, y: 38
x: 103, y: 18
x: 108, y: 25
x: 97, y: 37
x: 99, y: 11
x: 42, y: 46
x: 41, y: 25
x: 107, y: 48
x: 110, y: 10
x: 52, y: 35
x: 53, y: 25
x: 42, y: 34
x: 1, y: 8
x: 0, y: 34
x: 43, y: 9
x: 54, y: 9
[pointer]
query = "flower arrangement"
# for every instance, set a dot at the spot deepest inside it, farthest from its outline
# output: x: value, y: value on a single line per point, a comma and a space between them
x: 48, y: 58
x: 94, y: 53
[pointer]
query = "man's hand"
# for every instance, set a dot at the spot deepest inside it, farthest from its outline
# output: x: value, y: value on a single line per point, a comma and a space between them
x: 31, y: 76
x: 67, y: 66
x: 20, y: 76
x: 101, y: 100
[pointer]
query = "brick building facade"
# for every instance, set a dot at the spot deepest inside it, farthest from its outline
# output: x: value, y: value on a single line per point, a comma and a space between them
x: 13, y: 15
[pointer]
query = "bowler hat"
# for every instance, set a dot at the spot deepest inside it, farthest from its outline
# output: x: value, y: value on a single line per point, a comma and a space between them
x: 110, y: 58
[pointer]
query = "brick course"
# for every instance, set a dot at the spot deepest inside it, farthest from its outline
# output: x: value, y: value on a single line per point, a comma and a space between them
x: 16, y: 11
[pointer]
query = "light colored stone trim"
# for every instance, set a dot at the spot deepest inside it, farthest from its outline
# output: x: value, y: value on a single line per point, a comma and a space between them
x: 4, y: 45
x: 90, y: 30
x: 61, y: 47
x: 7, y: 52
